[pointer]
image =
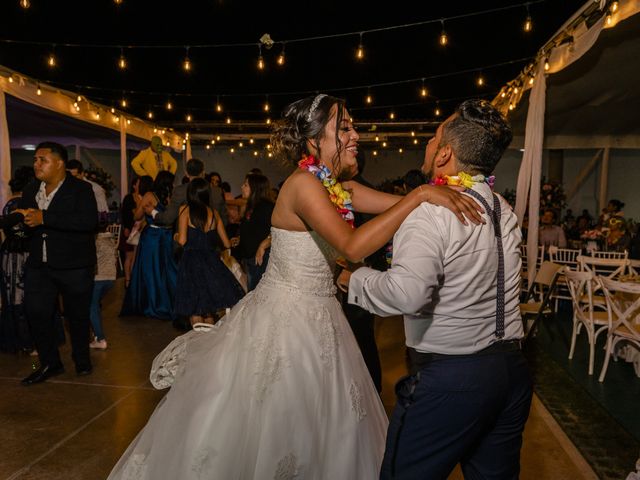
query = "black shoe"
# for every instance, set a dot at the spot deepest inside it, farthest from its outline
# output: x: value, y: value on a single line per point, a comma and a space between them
x: 42, y: 374
x: 82, y: 371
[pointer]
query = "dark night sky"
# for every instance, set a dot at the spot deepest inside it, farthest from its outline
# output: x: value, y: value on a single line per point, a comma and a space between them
x: 155, y: 75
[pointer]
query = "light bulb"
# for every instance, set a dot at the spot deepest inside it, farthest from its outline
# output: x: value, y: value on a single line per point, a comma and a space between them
x: 270, y: 154
x: 260, y: 63
x: 384, y: 144
x: 368, y: 99
x: 255, y: 153
x: 503, y: 94
x: 377, y: 139
x: 128, y: 122
x: 10, y: 79
x: 97, y: 115
x: 528, y: 24
x: 228, y: 120
x: 169, y: 105
x: 251, y: 141
x: 413, y: 134
x: 113, y: 110
x: 117, y: 2
x: 437, y: 112
x: 511, y: 107
x: 218, y: 138
x: 208, y: 146
x: 162, y: 131
x: 150, y: 115
x: 186, y: 65
x: 415, y: 141
x: 609, y: 19
x: 360, y: 52
x: 123, y: 103
x: 51, y: 61
x: 392, y: 116
x: 546, y: 65
x: 443, y: 38
x: 25, y: 4
x: 480, y: 81
x: 266, y: 107
x: 400, y: 150
x: 531, y: 81
x: 281, y: 59
x: 375, y: 153
x: 218, y: 107
x: 268, y: 122
x: 122, y: 62
x: 189, y: 118
x: 232, y: 150
x: 39, y: 90
x: 423, y: 92
x: 240, y: 144
x: 515, y: 90
x: 213, y: 142
x: 614, y: 7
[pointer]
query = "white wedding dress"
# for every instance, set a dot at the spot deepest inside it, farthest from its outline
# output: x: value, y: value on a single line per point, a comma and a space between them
x: 277, y: 389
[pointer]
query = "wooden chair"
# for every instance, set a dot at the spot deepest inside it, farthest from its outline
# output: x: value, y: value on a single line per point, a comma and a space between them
x: 621, y: 316
x: 116, y: 229
x: 610, y: 268
x: 581, y: 285
x: 634, y: 266
x: 539, y: 295
x: 569, y: 258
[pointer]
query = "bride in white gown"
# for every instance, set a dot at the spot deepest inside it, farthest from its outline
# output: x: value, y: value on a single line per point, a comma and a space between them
x: 278, y: 388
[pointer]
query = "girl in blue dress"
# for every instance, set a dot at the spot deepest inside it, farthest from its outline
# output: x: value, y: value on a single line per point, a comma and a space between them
x: 205, y: 284
x: 152, y: 286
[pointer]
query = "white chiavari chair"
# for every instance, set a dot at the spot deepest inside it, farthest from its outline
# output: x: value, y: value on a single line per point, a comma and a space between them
x: 612, y: 255
x: 116, y: 229
x: 581, y: 286
x: 622, y: 315
x: 569, y: 258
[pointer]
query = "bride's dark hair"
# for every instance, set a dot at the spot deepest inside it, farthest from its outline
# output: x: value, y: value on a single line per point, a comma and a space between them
x: 302, y: 121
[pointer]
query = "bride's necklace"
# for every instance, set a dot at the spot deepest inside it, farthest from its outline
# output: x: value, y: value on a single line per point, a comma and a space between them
x: 338, y: 196
x: 464, y: 180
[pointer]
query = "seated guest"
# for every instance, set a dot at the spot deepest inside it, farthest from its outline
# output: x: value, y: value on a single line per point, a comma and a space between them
x: 549, y: 233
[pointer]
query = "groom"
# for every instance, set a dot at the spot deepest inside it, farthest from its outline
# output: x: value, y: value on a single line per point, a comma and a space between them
x: 468, y: 398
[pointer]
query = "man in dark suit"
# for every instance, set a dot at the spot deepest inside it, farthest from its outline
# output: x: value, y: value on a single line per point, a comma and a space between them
x: 195, y: 169
x: 62, y: 214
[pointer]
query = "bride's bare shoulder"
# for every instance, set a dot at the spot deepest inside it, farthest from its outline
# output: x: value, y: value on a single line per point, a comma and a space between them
x: 301, y: 180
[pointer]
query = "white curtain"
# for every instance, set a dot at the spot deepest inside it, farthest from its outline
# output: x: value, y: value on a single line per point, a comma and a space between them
x: 5, y: 153
x: 124, y: 180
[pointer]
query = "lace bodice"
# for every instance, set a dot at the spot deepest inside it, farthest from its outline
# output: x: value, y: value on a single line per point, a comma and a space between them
x: 302, y: 261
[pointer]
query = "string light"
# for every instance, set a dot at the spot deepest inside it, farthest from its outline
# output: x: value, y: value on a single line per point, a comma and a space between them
x: 392, y: 116
x: 78, y: 98
x: 368, y: 99
x: 150, y: 115
x: 128, y: 121
x: 260, y: 59
x: 97, y: 115
x: 413, y: 134
x: 240, y: 144
x: 213, y: 142
x: 117, y: 2
x: 186, y: 64
x: 255, y: 153
x: 415, y: 141
x: 25, y: 4
x: 614, y: 7
x: 10, y: 79
x: 207, y: 146
x: 360, y: 50
x: 443, y: 35
x: 266, y: 104
x: 609, y: 19
x: 113, y: 110
x: 218, y: 104
x: 228, y: 120
x: 528, y: 23
x: 122, y: 62
x: 218, y: 138
x: 384, y: 144
x: 232, y: 150
x: 268, y: 122
x: 270, y: 154
x: 511, y: 107
x: 546, y: 65
x: 400, y: 150
x: 51, y: 60
x: 423, y: 90
x: 377, y: 138
x: 189, y: 117
x: 281, y: 58
x: 169, y: 105
x: 437, y: 111
x: 251, y: 141
x: 480, y: 80
x: 39, y: 90
x: 123, y: 102
x: 531, y: 81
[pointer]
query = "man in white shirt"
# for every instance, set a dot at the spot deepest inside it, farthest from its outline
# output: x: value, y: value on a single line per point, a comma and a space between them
x: 457, y: 286
x: 75, y: 168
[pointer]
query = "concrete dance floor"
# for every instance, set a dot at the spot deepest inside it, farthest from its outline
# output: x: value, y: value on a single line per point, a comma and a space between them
x: 76, y: 428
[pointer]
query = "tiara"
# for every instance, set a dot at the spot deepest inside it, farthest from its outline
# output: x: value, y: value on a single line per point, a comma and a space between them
x: 314, y: 105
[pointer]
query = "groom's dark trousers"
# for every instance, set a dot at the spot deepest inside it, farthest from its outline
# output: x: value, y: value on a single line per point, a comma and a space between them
x: 469, y: 409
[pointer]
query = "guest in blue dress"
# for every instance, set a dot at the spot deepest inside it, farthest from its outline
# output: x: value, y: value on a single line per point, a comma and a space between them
x: 205, y: 284
x: 152, y: 286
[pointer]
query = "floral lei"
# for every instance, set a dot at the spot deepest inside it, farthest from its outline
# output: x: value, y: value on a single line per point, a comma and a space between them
x: 463, y: 179
x: 338, y: 196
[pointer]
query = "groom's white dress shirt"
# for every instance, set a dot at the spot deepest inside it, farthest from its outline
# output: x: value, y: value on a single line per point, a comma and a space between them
x: 443, y: 280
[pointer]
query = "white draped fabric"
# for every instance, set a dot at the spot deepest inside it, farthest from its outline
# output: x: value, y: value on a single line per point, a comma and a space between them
x: 5, y: 153
x: 558, y: 58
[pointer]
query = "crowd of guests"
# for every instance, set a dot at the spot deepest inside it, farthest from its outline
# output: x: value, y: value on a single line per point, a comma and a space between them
x: 611, y: 231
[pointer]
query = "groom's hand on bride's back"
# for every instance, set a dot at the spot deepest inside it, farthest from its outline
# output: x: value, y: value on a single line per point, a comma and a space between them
x: 343, y: 280
x: 463, y: 206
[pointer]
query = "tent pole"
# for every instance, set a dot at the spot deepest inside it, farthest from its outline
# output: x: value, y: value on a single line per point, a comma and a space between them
x: 124, y: 188
x: 5, y: 153
x: 604, y: 179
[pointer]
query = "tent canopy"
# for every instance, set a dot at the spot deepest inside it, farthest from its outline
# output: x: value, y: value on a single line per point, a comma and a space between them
x: 594, y: 102
x: 30, y: 124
